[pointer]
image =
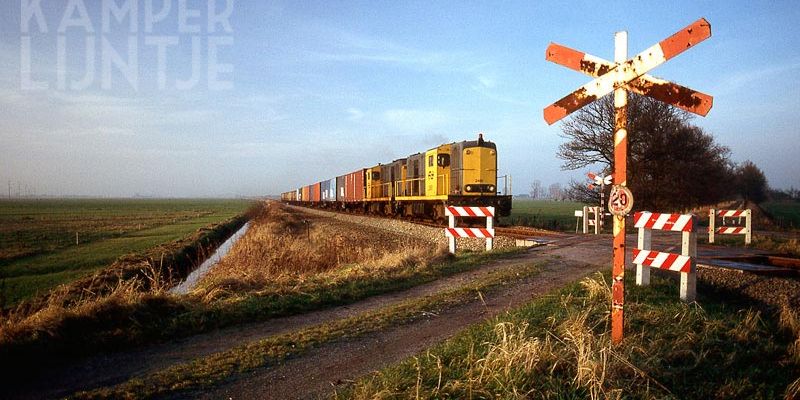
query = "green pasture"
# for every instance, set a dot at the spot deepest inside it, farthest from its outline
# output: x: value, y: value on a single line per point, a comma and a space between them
x: 546, y: 214
x: 38, y: 248
x: 786, y: 213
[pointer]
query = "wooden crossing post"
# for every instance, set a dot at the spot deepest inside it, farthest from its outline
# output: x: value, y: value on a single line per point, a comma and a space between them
x: 713, y: 229
x: 645, y: 242
x: 712, y: 216
x: 620, y: 76
x: 620, y: 178
x: 685, y: 263
x: 452, y: 232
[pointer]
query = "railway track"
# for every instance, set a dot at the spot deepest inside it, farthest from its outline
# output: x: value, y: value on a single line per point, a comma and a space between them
x: 551, y: 238
x: 514, y: 232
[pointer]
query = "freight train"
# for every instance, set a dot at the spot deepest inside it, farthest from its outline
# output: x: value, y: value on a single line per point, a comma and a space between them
x: 420, y: 185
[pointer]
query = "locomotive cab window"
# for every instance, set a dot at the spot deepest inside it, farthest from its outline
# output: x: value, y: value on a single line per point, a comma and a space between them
x: 376, y: 175
x: 443, y: 160
x: 430, y: 161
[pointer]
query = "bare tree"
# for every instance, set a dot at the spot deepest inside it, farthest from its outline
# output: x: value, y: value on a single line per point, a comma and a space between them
x: 555, y: 192
x: 672, y: 165
x: 537, y: 191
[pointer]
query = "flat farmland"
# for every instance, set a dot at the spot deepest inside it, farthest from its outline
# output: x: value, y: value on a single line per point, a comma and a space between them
x: 44, y: 243
x: 545, y: 214
x: 786, y: 213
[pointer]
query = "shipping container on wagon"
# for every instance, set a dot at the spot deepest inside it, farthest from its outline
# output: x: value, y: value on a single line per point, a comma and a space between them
x: 306, y: 193
x: 315, y: 192
x: 289, y: 196
x: 324, y: 187
x: 340, y: 188
x: 328, y: 189
x: 354, y: 186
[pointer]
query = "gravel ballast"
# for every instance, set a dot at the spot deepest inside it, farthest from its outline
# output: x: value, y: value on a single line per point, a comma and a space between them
x: 428, y: 233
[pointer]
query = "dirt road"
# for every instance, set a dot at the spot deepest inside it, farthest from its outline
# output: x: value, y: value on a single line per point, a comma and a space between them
x: 324, y: 368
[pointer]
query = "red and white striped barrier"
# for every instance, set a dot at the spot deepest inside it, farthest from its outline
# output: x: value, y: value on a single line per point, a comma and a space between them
x: 728, y: 230
x: 731, y: 213
x: 469, y: 232
x: 745, y: 230
x: 592, y: 217
x: 469, y: 211
x: 657, y: 259
x: 452, y: 232
x: 664, y: 222
x: 684, y: 263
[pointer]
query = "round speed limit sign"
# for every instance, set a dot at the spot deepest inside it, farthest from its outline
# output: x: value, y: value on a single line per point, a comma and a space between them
x: 620, y: 201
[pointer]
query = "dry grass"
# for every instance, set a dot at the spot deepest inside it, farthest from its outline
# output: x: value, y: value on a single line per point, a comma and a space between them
x: 512, y: 359
x: 512, y: 362
x: 561, y: 348
x: 776, y: 244
x: 284, y: 249
x: 62, y: 306
x: 790, y: 322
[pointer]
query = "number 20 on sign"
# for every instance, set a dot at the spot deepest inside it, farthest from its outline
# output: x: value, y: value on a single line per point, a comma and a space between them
x: 620, y: 76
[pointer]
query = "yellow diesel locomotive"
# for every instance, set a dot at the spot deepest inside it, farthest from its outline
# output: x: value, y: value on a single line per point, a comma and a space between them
x: 420, y: 185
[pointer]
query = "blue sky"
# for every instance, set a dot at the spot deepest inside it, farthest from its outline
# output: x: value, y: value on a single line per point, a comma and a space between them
x: 323, y: 88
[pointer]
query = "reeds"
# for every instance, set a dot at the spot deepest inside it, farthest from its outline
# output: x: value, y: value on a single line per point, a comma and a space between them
x: 282, y: 247
x: 62, y: 306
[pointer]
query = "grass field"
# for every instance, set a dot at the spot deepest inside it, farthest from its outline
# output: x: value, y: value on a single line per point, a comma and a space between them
x: 786, y: 213
x: 558, y: 347
x: 546, y: 214
x: 38, y: 247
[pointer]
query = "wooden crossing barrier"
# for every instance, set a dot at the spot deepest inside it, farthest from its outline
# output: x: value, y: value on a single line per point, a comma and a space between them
x: 684, y: 263
x: 745, y: 230
x: 452, y: 232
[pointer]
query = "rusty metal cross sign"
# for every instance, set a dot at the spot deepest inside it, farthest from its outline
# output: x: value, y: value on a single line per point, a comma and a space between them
x: 621, y: 76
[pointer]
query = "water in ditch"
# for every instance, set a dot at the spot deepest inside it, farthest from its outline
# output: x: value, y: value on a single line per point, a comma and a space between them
x: 195, y: 276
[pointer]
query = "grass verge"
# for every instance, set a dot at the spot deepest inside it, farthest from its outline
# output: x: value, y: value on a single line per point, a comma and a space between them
x: 205, y: 372
x: 127, y: 316
x: 559, y: 347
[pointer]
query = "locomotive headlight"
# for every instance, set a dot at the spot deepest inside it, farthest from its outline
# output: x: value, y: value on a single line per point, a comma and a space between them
x: 469, y: 188
x: 469, y: 152
x: 491, y: 188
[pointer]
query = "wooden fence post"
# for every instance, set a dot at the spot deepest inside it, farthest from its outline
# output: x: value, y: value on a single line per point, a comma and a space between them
x: 644, y: 243
x: 712, y: 214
